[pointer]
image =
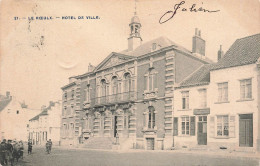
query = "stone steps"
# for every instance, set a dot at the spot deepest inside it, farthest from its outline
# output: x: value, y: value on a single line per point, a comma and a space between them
x: 99, y: 143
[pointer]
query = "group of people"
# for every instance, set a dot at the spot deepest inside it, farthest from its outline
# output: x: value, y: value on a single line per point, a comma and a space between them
x: 10, y: 150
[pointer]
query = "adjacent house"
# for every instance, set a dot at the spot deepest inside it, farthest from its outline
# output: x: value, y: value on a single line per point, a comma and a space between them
x: 46, y: 125
x: 234, y: 97
x: 218, y: 104
x: 14, y: 117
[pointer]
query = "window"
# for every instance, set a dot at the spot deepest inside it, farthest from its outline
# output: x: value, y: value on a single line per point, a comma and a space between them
x: 17, y: 112
x: 151, y: 118
x: 222, y: 126
x: 185, y: 100
x: 88, y: 93
x: 103, y: 87
x: 246, y: 89
x: 203, y: 98
x: 223, y: 92
x: 114, y: 85
x: 150, y: 80
x: 128, y: 86
x: 65, y: 96
x: 154, y: 46
x: 72, y: 94
x: 187, y: 125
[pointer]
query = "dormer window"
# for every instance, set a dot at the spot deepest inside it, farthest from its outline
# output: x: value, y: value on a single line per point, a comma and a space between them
x: 154, y: 46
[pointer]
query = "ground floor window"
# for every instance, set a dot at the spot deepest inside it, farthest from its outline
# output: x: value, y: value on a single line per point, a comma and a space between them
x: 222, y: 125
x: 185, y: 125
x: 188, y: 125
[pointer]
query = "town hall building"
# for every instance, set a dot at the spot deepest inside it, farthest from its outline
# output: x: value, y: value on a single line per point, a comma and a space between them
x: 127, y: 100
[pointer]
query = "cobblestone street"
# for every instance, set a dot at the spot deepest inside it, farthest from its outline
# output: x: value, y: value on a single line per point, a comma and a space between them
x: 84, y: 157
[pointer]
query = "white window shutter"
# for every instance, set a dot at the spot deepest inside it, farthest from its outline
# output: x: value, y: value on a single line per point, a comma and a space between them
x: 232, y: 119
x: 212, y: 127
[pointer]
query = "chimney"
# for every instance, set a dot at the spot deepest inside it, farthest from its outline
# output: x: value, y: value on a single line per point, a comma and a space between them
x: 220, y: 53
x: 52, y: 103
x: 7, y: 94
x: 198, y: 44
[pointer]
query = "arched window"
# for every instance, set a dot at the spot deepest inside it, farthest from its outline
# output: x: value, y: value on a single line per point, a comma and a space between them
x: 103, y: 87
x: 114, y: 85
x: 150, y: 80
x: 128, y: 83
x: 151, y: 117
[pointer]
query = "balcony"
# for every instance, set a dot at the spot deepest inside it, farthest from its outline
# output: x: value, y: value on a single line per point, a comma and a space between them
x: 116, y: 98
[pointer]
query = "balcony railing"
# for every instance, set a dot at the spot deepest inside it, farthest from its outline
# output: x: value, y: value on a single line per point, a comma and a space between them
x: 120, y: 97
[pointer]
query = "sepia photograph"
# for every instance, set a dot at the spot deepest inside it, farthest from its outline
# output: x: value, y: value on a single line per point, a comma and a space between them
x: 130, y: 83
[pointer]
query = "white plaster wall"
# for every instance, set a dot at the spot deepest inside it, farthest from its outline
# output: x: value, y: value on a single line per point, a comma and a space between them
x: 233, y: 106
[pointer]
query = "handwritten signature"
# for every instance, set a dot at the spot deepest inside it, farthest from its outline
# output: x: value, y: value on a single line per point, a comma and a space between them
x: 178, y: 7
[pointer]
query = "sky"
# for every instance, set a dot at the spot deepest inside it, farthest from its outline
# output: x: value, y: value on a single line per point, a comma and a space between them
x: 38, y: 56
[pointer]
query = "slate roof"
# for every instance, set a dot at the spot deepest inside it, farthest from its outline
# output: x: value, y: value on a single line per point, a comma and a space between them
x: 244, y: 51
x: 4, y: 102
x: 145, y: 48
x: 199, y: 77
x: 44, y: 112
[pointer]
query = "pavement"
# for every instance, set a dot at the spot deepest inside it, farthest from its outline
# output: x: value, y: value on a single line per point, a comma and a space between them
x: 71, y: 156
x: 216, y: 153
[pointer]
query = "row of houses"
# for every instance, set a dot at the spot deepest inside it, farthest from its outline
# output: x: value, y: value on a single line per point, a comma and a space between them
x: 159, y: 95
x: 46, y: 125
x: 14, y: 117
x: 20, y: 122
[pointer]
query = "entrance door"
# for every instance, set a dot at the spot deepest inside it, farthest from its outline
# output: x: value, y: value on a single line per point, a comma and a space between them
x: 202, y: 130
x: 115, y: 126
x: 246, y: 130
x: 150, y: 143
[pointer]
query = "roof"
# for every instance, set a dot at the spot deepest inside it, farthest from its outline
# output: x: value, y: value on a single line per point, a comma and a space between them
x: 199, y: 77
x: 44, y: 112
x: 68, y: 85
x: 135, y: 19
x: 145, y: 48
x: 161, y: 42
x: 4, y: 103
x: 244, y: 51
x: 142, y: 50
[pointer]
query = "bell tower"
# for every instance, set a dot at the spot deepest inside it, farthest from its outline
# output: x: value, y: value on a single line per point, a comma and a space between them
x: 134, y: 39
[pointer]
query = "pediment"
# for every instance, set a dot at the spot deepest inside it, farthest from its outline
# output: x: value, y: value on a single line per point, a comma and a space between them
x: 113, y: 59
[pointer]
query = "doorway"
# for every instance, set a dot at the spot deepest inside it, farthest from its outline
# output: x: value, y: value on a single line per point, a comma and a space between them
x: 115, y: 126
x: 246, y: 130
x: 150, y: 143
x: 202, y: 130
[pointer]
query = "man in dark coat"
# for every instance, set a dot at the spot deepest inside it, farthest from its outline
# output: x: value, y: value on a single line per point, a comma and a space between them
x: 3, y: 156
x: 9, y: 150
x: 30, y: 147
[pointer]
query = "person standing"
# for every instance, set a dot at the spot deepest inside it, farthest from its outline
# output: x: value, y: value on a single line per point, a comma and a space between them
x: 21, y: 148
x: 50, y: 144
x: 2, y: 152
x: 29, y: 147
x: 9, y: 150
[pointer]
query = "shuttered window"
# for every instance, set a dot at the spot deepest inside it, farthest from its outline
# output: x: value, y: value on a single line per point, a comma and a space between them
x: 212, y: 126
x: 192, y: 125
x: 175, y: 127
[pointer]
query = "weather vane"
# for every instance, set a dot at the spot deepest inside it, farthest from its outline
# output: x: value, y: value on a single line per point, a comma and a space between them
x: 135, y: 7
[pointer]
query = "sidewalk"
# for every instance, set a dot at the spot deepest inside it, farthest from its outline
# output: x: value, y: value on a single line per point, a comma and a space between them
x: 216, y: 153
